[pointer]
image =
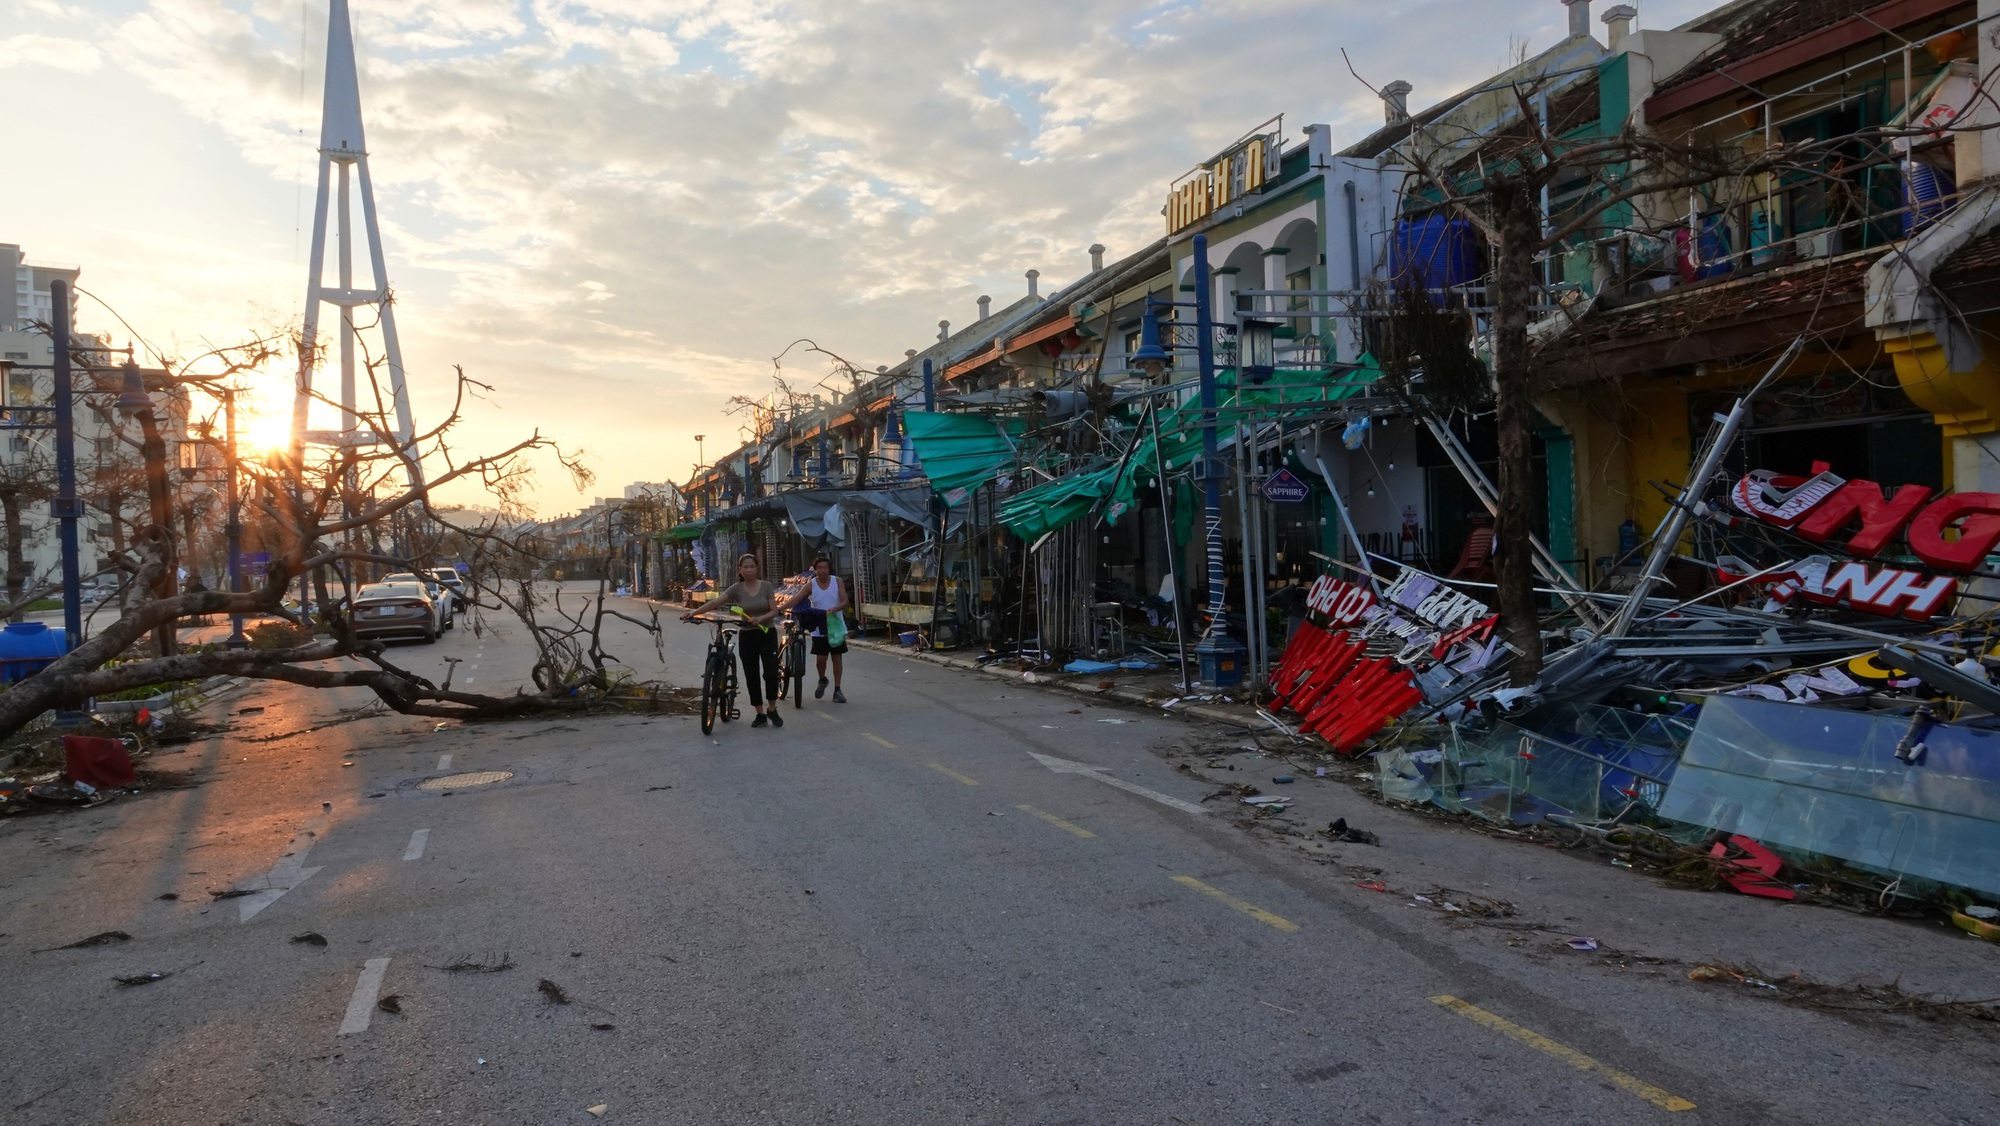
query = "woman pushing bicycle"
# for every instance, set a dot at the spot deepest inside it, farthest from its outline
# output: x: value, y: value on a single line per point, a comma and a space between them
x: 757, y: 644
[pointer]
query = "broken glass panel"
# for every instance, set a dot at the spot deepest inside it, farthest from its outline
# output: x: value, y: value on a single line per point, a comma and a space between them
x: 1827, y: 781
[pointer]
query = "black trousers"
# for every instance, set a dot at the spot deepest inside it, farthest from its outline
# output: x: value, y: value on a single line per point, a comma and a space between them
x: 759, y: 646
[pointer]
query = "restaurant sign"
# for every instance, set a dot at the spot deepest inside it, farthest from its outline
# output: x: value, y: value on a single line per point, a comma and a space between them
x: 1239, y: 170
x: 1824, y: 505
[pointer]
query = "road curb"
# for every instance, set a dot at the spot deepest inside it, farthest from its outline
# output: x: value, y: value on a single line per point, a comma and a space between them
x: 1116, y: 692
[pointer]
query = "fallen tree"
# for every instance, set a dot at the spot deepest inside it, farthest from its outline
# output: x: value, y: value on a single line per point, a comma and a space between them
x: 331, y: 518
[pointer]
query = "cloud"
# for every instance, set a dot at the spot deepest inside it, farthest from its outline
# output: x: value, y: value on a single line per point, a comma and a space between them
x: 617, y: 210
x: 72, y: 55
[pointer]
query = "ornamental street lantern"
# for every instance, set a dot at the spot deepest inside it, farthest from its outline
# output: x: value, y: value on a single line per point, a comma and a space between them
x: 1257, y: 349
x: 1150, y: 357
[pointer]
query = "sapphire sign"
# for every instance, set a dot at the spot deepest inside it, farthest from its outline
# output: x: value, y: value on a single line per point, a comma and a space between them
x: 1284, y: 488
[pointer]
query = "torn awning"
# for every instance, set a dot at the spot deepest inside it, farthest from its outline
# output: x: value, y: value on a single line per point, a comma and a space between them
x: 962, y: 451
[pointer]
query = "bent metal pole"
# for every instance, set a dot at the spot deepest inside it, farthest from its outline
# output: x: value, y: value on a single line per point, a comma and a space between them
x: 1669, y: 532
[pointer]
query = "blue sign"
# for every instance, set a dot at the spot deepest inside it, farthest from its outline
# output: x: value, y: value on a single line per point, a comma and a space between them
x: 1284, y: 488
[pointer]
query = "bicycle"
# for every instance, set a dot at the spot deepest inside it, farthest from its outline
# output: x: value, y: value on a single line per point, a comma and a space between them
x: 718, y: 674
x: 792, y: 662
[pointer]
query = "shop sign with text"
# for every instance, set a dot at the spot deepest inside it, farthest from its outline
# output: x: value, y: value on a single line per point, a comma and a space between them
x: 1241, y: 169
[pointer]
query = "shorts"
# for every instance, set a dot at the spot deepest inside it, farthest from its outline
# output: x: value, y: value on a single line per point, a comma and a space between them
x: 821, y: 648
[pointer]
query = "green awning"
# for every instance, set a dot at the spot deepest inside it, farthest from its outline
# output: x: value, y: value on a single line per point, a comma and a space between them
x: 1033, y: 513
x: 962, y: 451
x: 686, y: 532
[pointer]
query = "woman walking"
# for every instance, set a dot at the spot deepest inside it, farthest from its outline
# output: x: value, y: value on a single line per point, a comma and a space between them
x: 757, y: 642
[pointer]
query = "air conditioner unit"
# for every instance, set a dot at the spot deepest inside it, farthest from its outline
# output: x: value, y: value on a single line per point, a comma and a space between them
x: 1818, y: 244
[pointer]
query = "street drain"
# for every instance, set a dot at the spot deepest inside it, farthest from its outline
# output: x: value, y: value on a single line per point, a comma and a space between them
x: 463, y: 781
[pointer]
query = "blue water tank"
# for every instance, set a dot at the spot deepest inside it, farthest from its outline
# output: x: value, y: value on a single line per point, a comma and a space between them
x: 1435, y: 252
x: 27, y: 648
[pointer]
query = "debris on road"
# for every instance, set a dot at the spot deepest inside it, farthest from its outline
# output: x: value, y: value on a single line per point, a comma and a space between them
x: 553, y: 992
x: 1340, y: 830
x: 101, y: 938
x: 597, y: 1111
x: 232, y: 893
x: 1580, y: 943
x: 603, y: 1027
x: 309, y: 938
x: 128, y: 980
x: 168, y: 895
x: 393, y: 1003
x: 96, y: 762
x: 469, y: 966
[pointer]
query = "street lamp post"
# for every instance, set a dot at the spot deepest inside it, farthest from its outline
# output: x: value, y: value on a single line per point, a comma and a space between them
x: 1220, y: 657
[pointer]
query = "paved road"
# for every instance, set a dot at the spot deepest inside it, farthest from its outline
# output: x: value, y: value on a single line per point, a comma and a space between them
x: 889, y: 911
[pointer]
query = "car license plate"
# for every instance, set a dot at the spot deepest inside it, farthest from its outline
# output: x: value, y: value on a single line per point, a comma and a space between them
x: 384, y: 611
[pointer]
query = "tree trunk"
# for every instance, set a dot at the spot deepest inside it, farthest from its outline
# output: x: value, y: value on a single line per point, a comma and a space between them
x: 1519, y: 225
x: 17, y: 559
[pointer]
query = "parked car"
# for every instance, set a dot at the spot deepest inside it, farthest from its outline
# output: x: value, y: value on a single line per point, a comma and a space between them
x: 452, y: 581
x: 444, y: 596
x: 396, y: 609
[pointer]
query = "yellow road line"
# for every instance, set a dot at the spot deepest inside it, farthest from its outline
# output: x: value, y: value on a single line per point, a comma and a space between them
x: 948, y: 772
x: 1563, y: 1052
x: 1057, y: 821
x: 878, y: 739
x: 1258, y: 913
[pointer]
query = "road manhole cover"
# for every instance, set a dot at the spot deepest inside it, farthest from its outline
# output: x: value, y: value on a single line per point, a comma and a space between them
x: 464, y: 781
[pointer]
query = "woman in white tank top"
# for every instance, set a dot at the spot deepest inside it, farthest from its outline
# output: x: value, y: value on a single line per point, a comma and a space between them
x: 827, y: 595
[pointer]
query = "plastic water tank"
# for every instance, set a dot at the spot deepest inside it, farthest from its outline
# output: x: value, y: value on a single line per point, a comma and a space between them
x: 27, y: 648
x: 1435, y: 252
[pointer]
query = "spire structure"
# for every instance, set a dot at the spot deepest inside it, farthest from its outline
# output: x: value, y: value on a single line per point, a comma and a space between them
x: 343, y: 159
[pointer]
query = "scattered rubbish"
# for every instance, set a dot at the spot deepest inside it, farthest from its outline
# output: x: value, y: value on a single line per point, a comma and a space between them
x: 441, y: 727
x: 393, y: 1003
x: 309, y: 938
x: 603, y: 1027
x: 1282, y: 779
x: 1106, y: 720
x: 250, y: 711
x: 480, y: 1062
x: 1983, y: 912
x: 1090, y: 666
x: 101, y: 938
x: 652, y: 789
x: 1319, y: 772
x: 597, y: 1111
x: 58, y: 793
x: 1975, y: 925
x: 1372, y: 885
x: 552, y: 991
x: 232, y: 893
x: 349, y: 763
x: 1580, y: 943
x: 1620, y: 862
x: 468, y: 966
x: 168, y: 895
x: 92, y: 762
x: 1264, y: 799
x: 1340, y: 830
x: 326, y: 807
x: 1750, y: 868
x: 140, y: 979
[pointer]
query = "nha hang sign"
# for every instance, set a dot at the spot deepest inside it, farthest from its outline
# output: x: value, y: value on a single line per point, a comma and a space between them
x: 1824, y: 505
x: 1241, y: 169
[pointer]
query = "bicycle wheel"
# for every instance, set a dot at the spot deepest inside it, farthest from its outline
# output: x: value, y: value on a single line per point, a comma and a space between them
x: 711, y: 693
x: 797, y: 649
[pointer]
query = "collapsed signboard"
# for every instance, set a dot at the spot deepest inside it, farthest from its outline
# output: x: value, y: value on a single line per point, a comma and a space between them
x: 1345, y: 697
x: 1824, y: 505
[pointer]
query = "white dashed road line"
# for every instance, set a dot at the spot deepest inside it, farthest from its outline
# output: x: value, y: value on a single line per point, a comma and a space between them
x: 289, y: 872
x: 444, y: 762
x: 418, y: 840
x: 361, y: 1006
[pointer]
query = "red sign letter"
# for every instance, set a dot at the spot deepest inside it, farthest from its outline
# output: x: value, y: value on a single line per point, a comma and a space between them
x: 1976, y: 537
x: 1880, y: 519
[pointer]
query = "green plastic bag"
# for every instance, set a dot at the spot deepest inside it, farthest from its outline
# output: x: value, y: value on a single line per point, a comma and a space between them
x: 836, y: 629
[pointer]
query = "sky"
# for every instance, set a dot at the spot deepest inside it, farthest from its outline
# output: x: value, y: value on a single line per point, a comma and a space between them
x: 617, y: 212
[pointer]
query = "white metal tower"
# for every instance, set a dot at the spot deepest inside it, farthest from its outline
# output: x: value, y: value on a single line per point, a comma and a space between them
x: 342, y: 149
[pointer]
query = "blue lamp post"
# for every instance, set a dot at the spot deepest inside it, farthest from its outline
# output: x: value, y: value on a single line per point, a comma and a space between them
x: 1218, y: 654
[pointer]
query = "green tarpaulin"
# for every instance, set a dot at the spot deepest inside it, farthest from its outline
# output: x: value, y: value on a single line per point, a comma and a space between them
x: 687, y: 531
x: 1033, y: 513
x: 962, y: 451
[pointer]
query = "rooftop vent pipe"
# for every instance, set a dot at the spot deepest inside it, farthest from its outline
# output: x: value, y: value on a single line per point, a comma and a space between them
x: 985, y: 306
x: 1396, y: 102
x: 1579, y: 18
x: 1619, y: 19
